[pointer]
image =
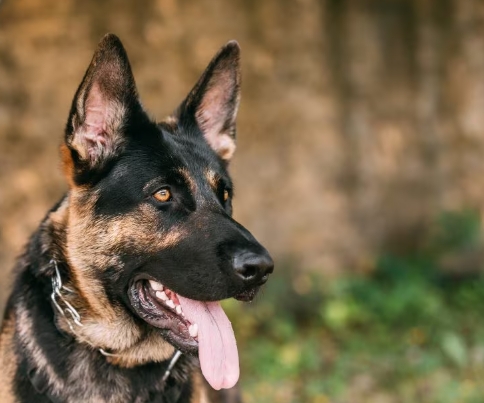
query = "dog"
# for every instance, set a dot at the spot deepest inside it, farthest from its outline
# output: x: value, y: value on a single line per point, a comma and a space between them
x: 116, y: 297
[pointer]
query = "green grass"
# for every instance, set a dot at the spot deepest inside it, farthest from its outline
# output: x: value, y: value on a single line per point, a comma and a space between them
x: 405, y: 333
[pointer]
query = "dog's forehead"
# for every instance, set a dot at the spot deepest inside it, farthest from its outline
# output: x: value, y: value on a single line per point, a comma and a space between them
x: 196, y: 161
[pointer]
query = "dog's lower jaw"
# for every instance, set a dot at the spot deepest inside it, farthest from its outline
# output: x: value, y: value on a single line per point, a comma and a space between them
x: 151, y: 348
x: 128, y: 344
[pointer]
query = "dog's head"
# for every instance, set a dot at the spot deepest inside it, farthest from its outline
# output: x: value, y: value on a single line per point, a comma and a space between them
x: 149, y: 223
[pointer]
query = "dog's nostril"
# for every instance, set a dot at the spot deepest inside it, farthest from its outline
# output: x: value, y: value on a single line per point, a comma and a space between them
x: 247, y: 272
x: 251, y: 267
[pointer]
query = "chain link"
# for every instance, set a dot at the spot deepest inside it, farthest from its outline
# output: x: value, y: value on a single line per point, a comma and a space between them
x: 70, y: 313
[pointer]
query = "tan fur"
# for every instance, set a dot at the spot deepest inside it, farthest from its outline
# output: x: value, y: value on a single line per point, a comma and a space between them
x: 8, y: 361
x: 67, y: 164
x: 94, y: 242
x: 200, y: 390
x: 189, y: 180
x: 171, y: 122
x: 212, y: 179
x: 29, y: 341
x: 150, y: 348
x: 226, y: 147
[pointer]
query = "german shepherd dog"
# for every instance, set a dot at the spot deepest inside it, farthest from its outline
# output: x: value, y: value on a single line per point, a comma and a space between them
x: 116, y: 297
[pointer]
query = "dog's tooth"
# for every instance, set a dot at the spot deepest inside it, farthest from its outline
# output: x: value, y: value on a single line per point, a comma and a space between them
x: 193, y: 330
x: 170, y: 303
x: 178, y: 309
x: 161, y: 295
x: 156, y: 286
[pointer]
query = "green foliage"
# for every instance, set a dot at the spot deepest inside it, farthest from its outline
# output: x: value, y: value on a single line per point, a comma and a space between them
x: 408, y: 332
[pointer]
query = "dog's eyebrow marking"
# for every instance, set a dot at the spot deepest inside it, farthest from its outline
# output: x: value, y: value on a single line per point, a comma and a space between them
x: 213, y: 178
x: 189, y: 180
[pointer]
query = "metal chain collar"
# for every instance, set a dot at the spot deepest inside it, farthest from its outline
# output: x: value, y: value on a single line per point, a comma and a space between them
x: 69, y: 313
x: 72, y: 317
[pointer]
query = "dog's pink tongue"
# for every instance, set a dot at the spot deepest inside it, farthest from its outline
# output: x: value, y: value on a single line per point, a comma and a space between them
x: 217, y: 348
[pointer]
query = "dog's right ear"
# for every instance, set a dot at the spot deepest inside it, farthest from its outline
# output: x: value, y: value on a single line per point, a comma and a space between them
x: 104, y: 101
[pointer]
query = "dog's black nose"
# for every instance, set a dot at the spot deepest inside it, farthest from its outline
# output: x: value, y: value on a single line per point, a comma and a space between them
x: 253, y: 268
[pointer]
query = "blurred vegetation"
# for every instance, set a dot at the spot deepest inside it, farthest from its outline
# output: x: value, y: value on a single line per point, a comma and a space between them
x: 407, y: 332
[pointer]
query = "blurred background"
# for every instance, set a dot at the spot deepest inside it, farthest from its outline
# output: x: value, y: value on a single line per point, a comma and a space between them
x: 360, y: 166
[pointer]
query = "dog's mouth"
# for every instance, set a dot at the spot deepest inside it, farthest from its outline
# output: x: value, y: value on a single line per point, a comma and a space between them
x: 191, y: 326
x: 160, y: 307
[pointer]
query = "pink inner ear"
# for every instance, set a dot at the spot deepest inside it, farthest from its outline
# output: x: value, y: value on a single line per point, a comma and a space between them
x: 96, y: 115
x: 215, y: 115
x: 97, y: 136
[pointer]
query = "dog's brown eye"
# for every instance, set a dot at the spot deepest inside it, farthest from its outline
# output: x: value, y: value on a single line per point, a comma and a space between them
x: 162, y: 195
x: 226, y: 195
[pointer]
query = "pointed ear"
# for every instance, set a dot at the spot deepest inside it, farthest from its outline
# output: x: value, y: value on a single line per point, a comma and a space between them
x: 213, y: 103
x: 102, y: 104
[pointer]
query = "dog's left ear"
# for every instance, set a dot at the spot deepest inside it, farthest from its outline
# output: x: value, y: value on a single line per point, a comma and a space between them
x: 213, y: 103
